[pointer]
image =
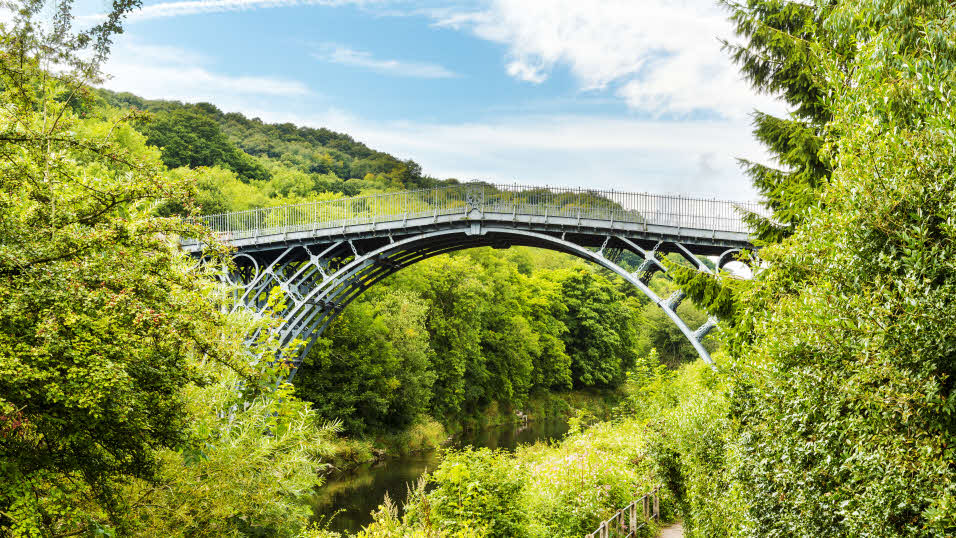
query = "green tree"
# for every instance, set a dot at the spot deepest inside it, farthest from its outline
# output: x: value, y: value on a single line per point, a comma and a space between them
x: 191, y: 139
x: 600, y: 340
x: 458, y: 301
x: 544, y: 308
x: 102, y: 319
x: 779, y: 55
x: 374, y: 369
x: 844, y: 395
x: 478, y: 488
x: 778, y: 58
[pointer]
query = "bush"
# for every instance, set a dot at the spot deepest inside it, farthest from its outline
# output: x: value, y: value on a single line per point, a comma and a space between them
x: 478, y: 487
x: 248, y: 472
x: 690, y: 440
x: 576, y: 484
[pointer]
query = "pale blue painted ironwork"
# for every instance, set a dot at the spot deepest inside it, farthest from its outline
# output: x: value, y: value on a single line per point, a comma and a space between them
x: 324, y: 254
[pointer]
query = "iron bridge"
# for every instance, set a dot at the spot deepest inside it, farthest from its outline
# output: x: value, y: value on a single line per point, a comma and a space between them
x: 323, y: 255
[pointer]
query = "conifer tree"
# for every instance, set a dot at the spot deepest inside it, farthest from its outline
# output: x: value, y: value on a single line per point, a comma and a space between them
x: 776, y: 57
x: 777, y: 54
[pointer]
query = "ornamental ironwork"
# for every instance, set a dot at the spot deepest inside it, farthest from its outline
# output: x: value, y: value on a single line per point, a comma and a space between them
x: 323, y: 255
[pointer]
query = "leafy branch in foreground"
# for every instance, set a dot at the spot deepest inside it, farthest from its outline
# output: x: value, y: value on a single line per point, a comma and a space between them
x: 104, y: 324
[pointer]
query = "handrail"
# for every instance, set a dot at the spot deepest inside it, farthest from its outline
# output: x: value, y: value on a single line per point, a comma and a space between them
x: 624, y: 523
x: 460, y: 199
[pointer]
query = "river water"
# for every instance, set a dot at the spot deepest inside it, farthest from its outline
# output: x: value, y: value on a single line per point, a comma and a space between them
x: 350, y: 498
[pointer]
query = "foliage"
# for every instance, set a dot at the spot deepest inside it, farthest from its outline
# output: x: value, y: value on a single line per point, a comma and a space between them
x: 477, y: 487
x: 838, y: 418
x: 193, y: 140
x: 478, y: 329
x: 119, y: 408
x: 845, y: 394
x: 563, y: 489
x: 119, y: 368
x: 600, y: 339
x: 690, y: 440
x: 102, y: 319
x: 575, y: 485
x: 418, y: 524
x: 202, y: 135
x: 245, y: 472
x: 778, y: 58
x: 375, y: 369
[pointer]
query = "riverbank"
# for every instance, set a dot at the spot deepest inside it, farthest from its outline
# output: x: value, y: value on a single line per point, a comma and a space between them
x: 664, y: 432
x: 348, y: 498
x: 429, y: 434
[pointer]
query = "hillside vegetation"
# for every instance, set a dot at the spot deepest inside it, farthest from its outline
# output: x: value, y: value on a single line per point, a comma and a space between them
x: 259, y: 164
x: 466, y: 337
x: 130, y: 406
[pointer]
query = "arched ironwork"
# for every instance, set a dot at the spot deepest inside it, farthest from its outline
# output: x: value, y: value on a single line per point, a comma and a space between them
x: 323, y: 262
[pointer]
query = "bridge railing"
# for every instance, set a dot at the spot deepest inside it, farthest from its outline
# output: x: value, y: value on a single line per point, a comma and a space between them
x: 665, y: 210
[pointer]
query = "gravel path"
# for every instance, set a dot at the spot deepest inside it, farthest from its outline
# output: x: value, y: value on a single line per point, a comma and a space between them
x: 672, y: 531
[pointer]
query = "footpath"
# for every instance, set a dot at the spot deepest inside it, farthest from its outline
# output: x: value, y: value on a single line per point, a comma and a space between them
x: 672, y: 531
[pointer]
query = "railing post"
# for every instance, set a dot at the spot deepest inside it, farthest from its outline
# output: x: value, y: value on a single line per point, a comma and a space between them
x: 657, y: 507
x: 632, y: 517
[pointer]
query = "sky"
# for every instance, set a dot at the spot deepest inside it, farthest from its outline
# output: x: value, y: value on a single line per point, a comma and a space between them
x: 633, y: 95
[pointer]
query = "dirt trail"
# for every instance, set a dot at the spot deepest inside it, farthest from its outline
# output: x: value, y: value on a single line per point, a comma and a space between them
x: 672, y: 531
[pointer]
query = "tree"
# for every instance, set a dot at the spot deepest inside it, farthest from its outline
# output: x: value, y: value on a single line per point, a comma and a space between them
x: 600, y: 339
x: 544, y: 309
x: 844, y: 396
x: 777, y: 57
x: 191, y: 139
x: 374, y: 369
x: 102, y: 318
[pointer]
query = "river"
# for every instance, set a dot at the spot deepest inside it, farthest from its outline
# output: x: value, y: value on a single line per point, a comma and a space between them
x: 352, y: 496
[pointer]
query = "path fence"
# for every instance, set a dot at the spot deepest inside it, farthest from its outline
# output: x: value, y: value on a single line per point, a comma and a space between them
x: 579, y: 203
x: 626, y: 522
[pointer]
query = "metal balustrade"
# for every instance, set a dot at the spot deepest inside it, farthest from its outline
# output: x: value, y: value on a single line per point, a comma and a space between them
x: 580, y: 203
x: 626, y: 522
x: 324, y: 254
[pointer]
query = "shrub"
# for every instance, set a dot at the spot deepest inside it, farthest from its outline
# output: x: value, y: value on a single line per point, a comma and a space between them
x: 478, y: 487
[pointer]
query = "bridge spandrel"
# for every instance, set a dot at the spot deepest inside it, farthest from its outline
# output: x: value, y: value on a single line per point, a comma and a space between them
x: 325, y: 254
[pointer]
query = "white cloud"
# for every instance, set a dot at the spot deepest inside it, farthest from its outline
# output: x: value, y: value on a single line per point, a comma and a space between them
x: 345, y: 56
x: 628, y: 154
x: 690, y: 157
x: 162, y: 72
x: 196, y: 7
x: 660, y: 56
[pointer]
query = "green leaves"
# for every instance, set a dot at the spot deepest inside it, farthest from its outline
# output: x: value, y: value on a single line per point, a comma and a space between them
x: 780, y: 58
x: 843, y: 375
x: 103, y: 322
x: 191, y: 139
x: 478, y: 488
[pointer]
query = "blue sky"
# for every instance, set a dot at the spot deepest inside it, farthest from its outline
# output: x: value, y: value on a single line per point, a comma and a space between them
x: 624, y: 94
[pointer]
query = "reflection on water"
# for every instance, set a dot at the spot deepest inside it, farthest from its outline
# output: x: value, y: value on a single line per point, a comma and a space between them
x: 353, y: 496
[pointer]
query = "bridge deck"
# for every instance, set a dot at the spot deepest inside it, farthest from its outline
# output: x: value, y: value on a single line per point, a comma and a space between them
x: 707, y: 227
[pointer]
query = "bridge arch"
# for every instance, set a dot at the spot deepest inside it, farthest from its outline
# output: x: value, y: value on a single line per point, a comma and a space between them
x: 317, y: 295
x: 323, y: 255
